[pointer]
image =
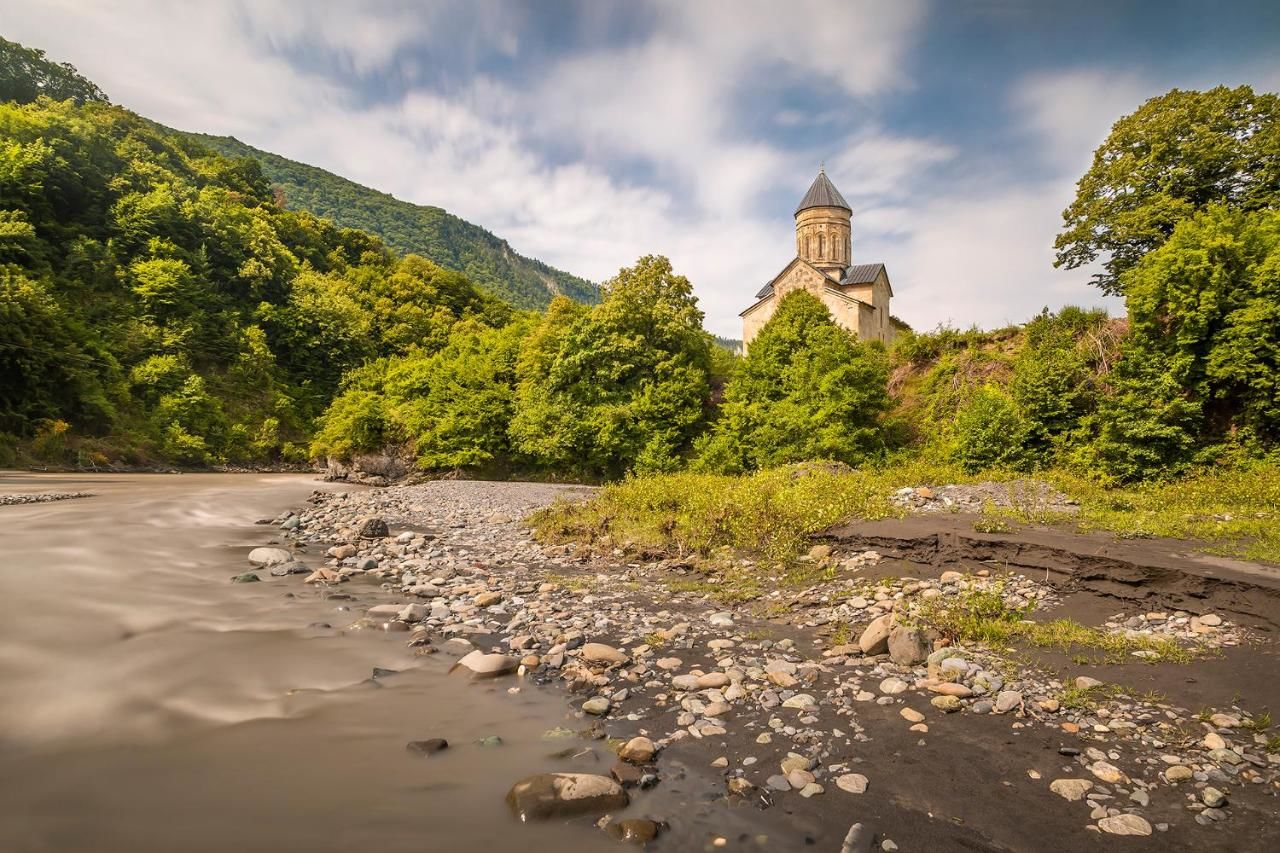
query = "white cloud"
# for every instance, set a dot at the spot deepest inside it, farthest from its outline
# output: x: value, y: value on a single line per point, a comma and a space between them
x: 1071, y: 112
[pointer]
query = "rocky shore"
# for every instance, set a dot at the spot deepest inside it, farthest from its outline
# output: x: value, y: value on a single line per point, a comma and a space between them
x: 41, y: 497
x: 828, y: 707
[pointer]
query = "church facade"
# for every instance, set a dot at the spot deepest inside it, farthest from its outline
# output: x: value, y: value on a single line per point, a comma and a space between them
x: 857, y: 295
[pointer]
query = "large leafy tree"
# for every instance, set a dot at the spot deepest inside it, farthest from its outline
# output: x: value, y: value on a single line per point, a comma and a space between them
x: 1173, y: 157
x: 624, y: 387
x: 807, y: 389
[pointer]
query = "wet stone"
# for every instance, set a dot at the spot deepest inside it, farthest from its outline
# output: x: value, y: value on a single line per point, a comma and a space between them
x: 488, y: 665
x: 552, y: 795
x: 427, y: 747
x: 633, y: 830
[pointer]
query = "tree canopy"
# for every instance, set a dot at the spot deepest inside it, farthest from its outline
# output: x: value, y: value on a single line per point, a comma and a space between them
x: 25, y: 74
x: 485, y: 259
x: 1173, y: 157
x: 622, y: 387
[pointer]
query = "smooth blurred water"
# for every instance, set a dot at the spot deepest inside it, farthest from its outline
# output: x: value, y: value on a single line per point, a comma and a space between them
x: 148, y: 704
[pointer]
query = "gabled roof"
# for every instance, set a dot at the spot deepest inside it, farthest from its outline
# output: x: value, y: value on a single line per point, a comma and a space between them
x: 768, y: 288
x: 823, y: 193
x: 856, y: 274
x: 862, y: 274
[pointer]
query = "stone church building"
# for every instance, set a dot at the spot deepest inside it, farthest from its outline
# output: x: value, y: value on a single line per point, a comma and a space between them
x: 857, y: 295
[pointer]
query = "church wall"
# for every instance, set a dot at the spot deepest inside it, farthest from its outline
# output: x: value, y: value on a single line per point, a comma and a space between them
x: 755, y: 318
x: 844, y: 312
x: 867, y: 327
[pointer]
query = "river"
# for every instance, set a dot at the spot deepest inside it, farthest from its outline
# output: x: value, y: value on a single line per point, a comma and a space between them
x: 148, y: 704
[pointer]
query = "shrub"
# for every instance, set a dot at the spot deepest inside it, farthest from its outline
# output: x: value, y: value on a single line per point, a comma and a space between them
x: 990, y: 433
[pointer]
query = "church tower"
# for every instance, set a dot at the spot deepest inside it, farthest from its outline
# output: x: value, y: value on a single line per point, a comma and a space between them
x: 823, y: 227
x: 856, y: 295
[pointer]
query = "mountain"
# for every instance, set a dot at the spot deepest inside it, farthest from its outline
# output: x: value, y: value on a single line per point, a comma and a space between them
x: 432, y: 232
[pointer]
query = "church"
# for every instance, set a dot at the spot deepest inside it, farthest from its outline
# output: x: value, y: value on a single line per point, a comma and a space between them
x: 857, y: 295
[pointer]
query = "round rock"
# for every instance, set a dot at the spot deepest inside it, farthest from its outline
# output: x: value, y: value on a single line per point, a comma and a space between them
x: 488, y: 665
x: 269, y: 556
x: 854, y: 783
x: 549, y: 795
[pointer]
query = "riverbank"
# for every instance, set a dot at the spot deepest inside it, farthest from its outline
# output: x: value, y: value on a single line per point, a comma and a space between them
x: 783, y: 720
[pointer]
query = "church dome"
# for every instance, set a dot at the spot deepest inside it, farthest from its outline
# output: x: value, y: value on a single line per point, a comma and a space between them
x: 823, y: 193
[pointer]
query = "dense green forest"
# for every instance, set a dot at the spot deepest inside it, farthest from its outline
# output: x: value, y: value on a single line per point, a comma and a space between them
x: 157, y: 302
x: 432, y: 232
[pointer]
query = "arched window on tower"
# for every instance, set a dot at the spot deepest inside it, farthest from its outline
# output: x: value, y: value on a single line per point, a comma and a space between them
x: 821, y: 247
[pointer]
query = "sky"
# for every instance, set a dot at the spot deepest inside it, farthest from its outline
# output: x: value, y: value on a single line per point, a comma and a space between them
x: 590, y: 133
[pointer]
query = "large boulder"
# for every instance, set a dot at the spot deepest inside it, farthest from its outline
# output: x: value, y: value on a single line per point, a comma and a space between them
x: 550, y: 795
x: 875, y: 639
x: 909, y: 646
x: 600, y: 653
x: 269, y: 556
x: 374, y: 528
x: 393, y: 463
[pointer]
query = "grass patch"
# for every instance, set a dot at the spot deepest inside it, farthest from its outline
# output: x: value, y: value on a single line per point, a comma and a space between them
x: 771, y: 512
x: 573, y: 583
x: 655, y: 640
x: 842, y: 635
x: 992, y: 524
x: 981, y: 616
x: 1258, y: 723
x: 1235, y: 509
x: 1089, y: 699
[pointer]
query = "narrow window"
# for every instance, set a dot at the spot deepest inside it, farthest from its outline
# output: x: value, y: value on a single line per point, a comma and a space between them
x: 821, y: 247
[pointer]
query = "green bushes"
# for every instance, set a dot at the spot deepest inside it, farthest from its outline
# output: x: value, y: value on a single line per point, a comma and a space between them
x: 990, y: 432
x: 806, y: 390
x: 622, y: 387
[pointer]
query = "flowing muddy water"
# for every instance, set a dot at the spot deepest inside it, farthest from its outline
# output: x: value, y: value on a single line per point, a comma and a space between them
x: 148, y: 704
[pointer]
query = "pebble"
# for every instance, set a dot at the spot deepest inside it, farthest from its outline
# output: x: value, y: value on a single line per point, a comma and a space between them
x: 947, y: 704
x: 427, y: 747
x: 1125, y: 824
x: 638, y: 750
x: 600, y: 653
x: 854, y: 783
x: 269, y: 556
x: 488, y: 665
x: 1070, y: 789
x: 893, y: 686
x: 1212, y: 797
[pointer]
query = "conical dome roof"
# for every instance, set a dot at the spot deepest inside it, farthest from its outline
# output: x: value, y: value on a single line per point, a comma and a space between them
x: 823, y: 193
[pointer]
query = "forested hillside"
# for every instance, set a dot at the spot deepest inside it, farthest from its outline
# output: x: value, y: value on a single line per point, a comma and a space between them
x: 157, y: 304
x: 420, y: 229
